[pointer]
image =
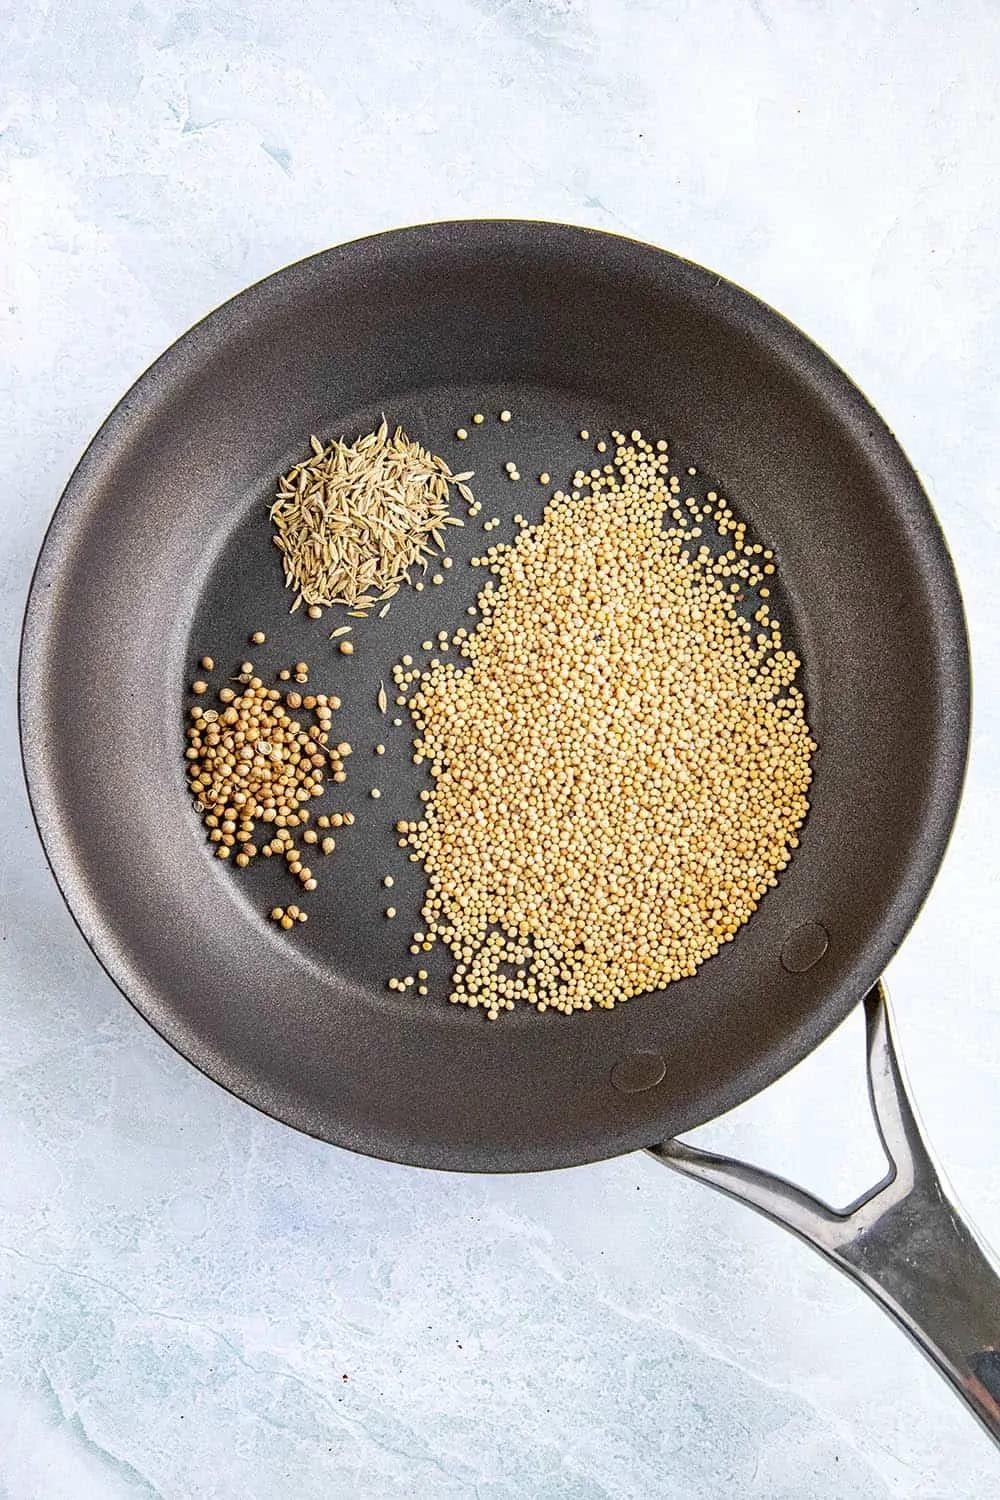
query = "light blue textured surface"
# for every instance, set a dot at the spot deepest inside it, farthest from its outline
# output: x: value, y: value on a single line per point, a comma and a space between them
x: 194, y: 1301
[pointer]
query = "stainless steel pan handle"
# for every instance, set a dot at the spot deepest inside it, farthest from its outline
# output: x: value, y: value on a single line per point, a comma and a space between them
x: 905, y: 1241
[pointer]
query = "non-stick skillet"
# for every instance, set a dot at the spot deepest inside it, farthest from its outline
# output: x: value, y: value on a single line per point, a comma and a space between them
x: 159, y: 552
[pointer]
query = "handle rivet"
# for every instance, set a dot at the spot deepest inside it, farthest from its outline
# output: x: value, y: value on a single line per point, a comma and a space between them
x: 643, y: 1070
x: 804, y: 947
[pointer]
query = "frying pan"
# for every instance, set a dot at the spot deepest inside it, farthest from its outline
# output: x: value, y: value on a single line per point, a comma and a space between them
x: 159, y: 552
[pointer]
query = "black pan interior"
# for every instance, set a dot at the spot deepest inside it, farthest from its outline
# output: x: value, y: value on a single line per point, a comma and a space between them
x: 160, y: 552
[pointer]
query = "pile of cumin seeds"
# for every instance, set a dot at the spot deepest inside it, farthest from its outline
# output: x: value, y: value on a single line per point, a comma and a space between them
x: 352, y: 519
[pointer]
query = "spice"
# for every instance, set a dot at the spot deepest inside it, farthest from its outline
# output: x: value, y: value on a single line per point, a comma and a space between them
x: 620, y: 770
x: 253, y: 768
x: 352, y: 519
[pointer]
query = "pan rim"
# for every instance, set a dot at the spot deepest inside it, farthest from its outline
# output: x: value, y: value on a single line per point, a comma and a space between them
x: 782, y: 338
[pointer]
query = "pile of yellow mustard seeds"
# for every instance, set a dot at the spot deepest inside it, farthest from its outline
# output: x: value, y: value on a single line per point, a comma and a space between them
x: 620, y: 770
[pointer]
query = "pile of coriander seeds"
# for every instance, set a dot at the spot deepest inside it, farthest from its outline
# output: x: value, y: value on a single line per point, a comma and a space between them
x: 254, y: 767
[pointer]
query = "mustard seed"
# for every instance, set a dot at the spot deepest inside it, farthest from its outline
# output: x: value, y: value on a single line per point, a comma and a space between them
x: 535, y: 872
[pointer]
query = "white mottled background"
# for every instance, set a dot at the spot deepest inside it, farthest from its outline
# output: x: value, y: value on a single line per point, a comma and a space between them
x: 194, y: 1301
